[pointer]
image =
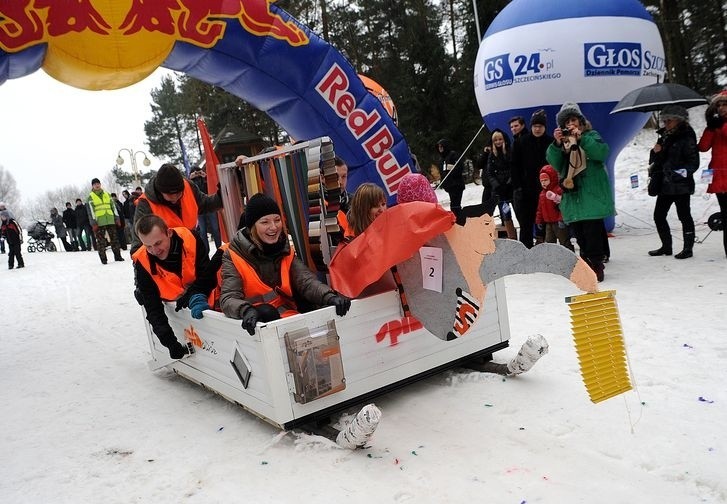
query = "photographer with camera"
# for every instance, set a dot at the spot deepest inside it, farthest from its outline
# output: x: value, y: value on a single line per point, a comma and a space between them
x: 588, y: 200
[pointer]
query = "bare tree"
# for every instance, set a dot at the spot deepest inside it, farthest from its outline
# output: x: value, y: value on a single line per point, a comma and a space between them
x: 9, y: 193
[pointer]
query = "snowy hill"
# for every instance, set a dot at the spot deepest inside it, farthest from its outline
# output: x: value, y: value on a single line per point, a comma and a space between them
x: 85, y: 421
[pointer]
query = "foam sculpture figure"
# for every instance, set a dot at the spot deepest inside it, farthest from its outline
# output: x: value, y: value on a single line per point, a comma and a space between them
x: 251, y: 48
x: 541, y: 54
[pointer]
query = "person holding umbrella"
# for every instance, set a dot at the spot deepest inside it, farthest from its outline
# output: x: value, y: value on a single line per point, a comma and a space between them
x: 674, y: 159
x: 715, y: 138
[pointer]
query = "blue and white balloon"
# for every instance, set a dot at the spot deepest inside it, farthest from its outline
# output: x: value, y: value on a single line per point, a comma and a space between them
x: 541, y: 54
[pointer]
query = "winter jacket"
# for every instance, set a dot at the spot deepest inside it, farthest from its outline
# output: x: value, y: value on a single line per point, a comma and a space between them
x: 57, y: 222
x: 81, y: 215
x: 548, y: 210
x: 129, y: 207
x: 455, y: 179
x: 204, y: 281
x: 677, y: 161
x: 498, y: 174
x: 119, y: 211
x: 716, y: 139
x: 591, y: 197
x: 69, y: 218
x: 205, y: 204
x: 528, y: 157
x: 101, y: 209
x: 10, y: 230
x: 305, y: 285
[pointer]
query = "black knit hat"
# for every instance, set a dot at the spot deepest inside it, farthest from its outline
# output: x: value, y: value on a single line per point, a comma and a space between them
x: 258, y: 206
x: 539, y: 117
x: 95, y: 181
x: 169, y: 180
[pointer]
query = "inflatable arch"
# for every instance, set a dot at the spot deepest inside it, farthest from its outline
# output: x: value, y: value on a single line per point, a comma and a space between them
x: 258, y: 52
x: 250, y: 48
x: 539, y: 55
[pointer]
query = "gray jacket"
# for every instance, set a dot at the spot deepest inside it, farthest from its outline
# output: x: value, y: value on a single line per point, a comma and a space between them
x: 303, y: 281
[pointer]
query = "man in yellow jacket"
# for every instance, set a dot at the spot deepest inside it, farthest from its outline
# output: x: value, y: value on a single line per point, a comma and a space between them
x: 104, y: 220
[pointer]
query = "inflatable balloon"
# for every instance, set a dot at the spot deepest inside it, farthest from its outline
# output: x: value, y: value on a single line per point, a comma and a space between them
x: 251, y: 48
x: 541, y: 54
x: 379, y: 92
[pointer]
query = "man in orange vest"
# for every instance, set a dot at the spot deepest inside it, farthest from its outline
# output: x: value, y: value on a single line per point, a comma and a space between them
x: 173, y: 198
x: 171, y: 265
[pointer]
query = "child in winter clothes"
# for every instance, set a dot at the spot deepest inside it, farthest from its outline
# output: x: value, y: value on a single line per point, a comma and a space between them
x: 12, y: 233
x: 548, y: 216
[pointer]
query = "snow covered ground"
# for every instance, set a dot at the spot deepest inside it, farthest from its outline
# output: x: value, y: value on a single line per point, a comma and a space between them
x: 85, y: 421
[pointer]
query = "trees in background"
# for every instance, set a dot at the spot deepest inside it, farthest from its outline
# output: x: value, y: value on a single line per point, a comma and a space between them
x: 422, y: 52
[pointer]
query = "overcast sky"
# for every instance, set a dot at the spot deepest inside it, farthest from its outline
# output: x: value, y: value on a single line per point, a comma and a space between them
x: 52, y: 134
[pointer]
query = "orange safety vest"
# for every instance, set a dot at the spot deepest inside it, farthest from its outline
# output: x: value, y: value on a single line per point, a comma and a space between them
x: 188, y: 205
x: 343, y: 223
x: 258, y: 292
x: 171, y: 286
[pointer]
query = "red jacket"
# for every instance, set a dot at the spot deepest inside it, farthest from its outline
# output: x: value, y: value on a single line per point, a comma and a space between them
x: 716, y: 139
x: 548, y: 211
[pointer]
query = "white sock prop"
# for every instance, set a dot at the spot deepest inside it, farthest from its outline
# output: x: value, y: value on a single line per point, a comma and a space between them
x: 360, y: 429
x: 533, y: 349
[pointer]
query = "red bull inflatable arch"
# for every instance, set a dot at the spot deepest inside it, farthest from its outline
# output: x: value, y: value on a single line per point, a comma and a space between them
x: 250, y: 48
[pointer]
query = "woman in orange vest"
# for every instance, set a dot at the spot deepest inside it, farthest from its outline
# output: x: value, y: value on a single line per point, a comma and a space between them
x: 367, y: 203
x: 261, y: 275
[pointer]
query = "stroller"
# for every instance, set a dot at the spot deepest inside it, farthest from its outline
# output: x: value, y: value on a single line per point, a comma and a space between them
x: 40, y: 238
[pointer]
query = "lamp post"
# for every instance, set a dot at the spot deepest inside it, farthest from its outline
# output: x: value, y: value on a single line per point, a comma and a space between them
x: 132, y: 156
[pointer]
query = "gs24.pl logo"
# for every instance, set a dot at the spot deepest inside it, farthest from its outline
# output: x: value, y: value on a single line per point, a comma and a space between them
x: 499, y: 71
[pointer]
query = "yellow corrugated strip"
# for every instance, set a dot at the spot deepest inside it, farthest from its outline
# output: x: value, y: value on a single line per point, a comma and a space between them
x: 599, y: 344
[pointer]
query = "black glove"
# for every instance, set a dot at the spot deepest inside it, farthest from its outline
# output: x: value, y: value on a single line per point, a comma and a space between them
x: 138, y: 296
x: 714, y: 121
x: 183, y: 301
x: 342, y: 304
x: 249, y: 319
x: 177, y: 350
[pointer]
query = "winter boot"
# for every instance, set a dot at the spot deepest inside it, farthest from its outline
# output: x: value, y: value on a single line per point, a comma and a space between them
x: 596, y: 265
x: 510, y: 228
x: 21, y: 263
x: 117, y: 256
x: 102, y: 256
x: 688, y: 246
x: 665, y: 249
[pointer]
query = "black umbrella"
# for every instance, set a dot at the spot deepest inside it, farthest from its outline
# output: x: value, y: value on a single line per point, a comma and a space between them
x: 656, y: 96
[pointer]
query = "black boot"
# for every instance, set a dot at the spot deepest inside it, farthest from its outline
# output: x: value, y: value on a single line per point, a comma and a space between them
x: 596, y: 265
x: 688, y: 246
x: 117, y: 256
x: 665, y: 237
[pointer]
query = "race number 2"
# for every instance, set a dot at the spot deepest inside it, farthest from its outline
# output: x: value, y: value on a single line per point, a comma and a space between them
x: 431, y: 258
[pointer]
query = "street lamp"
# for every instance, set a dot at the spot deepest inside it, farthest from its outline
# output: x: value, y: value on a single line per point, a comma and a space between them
x: 132, y: 156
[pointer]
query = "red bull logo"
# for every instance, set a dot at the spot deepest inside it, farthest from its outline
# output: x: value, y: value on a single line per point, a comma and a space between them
x: 128, y: 39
